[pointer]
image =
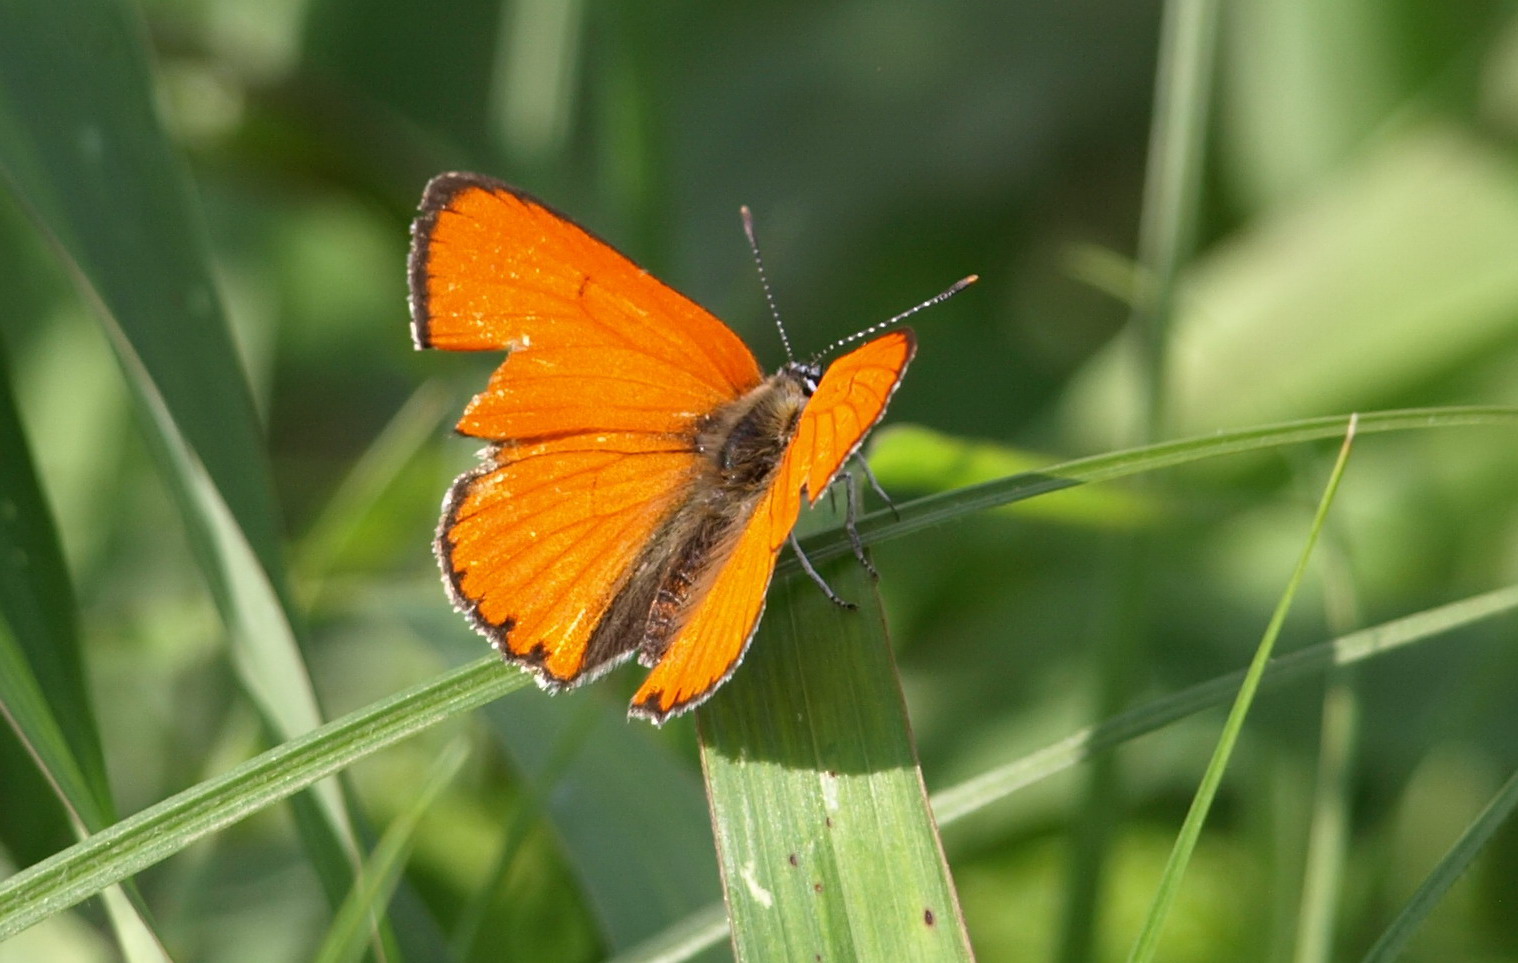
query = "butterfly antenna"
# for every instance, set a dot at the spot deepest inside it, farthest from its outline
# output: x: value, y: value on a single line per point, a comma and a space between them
x: 944, y: 295
x: 764, y: 281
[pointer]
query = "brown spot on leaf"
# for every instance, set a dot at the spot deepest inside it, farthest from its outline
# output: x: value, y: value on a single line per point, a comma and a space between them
x: 927, y: 916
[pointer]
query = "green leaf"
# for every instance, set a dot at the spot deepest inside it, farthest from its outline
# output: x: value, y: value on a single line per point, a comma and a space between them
x: 823, y: 830
x: 916, y: 459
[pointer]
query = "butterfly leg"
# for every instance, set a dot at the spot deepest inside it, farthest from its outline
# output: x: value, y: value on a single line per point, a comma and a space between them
x: 850, y: 512
x: 806, y: 566
x: 869, y: 476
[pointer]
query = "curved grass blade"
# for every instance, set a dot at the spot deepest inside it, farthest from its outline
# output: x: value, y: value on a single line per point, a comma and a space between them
x: 933, y: 510
x: 37, y: 603
x: 1450, y: 868
x: 1173, y: 190
x: 1329, y: 825
x: 163, y: 829
x: 366, y: 482
x: 974, y: 795
x: 1330, y: 809
x: 43, y: 694
x: 83, y: 152
x: 685, y: 940
x: 76, y: 106
x: 540, y: 787
x: 42, y: 686
x: 826, y: 841
x: 1201, y: 804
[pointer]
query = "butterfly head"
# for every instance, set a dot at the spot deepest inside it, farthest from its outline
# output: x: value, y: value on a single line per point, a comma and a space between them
x: 806, y: 373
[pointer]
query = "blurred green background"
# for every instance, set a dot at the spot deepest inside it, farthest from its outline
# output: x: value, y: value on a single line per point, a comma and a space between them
x: 1357, y: 249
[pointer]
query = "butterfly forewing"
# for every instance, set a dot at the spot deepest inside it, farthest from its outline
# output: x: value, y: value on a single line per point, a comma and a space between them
x: 494, y: 269
x: 849, y: 400
x: 545, y: 387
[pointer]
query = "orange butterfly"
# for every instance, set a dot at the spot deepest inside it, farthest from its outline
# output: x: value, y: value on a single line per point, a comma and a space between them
x: 642, y: 473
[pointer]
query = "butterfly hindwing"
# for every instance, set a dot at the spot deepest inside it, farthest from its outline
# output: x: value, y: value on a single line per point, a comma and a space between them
x: 718, y: 626
x: 537, y: 542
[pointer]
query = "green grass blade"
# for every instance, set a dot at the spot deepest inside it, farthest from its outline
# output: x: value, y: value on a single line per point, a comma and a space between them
x: 1166, y: 243
x: 933, y: 510
x: 1475, y: 839
x: 912, y: 458
x: 42, y: 686
x: 1173, y: 182
x: 83, y: 152
x: 1319, y: 902
x: 541, y: 784
x: 155, y: 833
x: 26, y: 710
x: 43, y: 694
x: 1328, y: 833
x: 351, y: 931
x: 161, y: 830
x: 1191, y: 829
x: 685, y: 940
x: 826, y: 841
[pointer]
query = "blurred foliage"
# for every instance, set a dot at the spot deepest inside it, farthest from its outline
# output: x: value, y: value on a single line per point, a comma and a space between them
x: 1359, y: 250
